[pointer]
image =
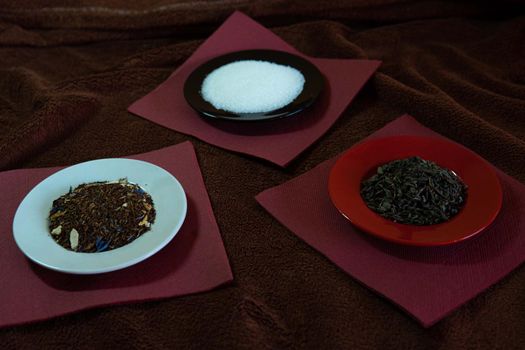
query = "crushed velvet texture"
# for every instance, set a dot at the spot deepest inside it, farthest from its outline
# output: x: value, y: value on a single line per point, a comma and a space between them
x: 70, y: 69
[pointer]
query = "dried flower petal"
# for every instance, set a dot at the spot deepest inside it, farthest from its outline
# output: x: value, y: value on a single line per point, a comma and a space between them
x: 138, y: 190
x: 57, y: 230
x: 101, y: 245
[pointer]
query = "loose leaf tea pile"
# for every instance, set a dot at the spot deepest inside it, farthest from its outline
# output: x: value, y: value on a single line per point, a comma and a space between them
x: 414, y: 191
x: 100, y: 216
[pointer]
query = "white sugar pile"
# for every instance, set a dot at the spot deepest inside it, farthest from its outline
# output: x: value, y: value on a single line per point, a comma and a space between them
x: 252, y: 86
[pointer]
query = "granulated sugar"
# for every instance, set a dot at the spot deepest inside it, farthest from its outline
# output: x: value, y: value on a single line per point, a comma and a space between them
x: 252, y: 86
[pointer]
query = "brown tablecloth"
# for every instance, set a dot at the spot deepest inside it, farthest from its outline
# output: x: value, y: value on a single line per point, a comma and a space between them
x: 70, y: 70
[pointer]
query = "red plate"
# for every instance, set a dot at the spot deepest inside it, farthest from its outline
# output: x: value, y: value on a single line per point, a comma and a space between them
x: 484, y: 194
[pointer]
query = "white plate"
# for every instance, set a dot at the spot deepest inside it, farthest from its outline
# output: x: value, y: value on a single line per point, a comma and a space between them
x: 30, y: 225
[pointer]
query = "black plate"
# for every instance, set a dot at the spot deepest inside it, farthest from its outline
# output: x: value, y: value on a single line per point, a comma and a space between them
x: 313, y: 85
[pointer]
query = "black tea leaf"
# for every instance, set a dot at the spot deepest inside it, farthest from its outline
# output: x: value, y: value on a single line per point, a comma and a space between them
x: 414, y: 191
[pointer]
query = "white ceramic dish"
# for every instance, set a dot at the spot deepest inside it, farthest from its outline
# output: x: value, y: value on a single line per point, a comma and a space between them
x: 30, y: 224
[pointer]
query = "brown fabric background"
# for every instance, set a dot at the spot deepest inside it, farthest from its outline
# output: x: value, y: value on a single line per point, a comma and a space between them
x: 68, y: 71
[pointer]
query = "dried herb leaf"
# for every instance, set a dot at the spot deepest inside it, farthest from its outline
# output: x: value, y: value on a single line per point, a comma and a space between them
x: 414, y: 191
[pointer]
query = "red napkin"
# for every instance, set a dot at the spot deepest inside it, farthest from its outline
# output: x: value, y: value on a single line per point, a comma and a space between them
x: 277, y: 141
x: 428, y: 283
x: 195, y: 261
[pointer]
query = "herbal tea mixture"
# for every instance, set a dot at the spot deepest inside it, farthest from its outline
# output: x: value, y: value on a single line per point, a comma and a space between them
x: 100, y: 216
x: 414, y: 191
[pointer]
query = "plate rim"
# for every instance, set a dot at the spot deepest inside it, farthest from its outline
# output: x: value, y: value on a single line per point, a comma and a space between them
x: 313, y: 77
x: 121, y: 264
x: 486, y: 222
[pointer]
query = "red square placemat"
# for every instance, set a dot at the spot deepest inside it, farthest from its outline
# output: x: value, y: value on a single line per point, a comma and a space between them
x: 277, y: 141
x: 195, y: 261
x: 428, y: 283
